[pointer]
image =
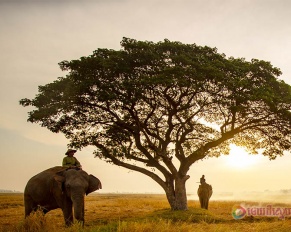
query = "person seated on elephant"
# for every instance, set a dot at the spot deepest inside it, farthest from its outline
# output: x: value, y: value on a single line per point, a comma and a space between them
x: 202, y: 180
x: 70, y: 161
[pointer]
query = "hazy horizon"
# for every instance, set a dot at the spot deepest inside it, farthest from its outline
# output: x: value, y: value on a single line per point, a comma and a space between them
x: 264, y: 197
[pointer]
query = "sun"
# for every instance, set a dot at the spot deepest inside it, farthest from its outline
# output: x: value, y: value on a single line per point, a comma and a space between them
x: 239, y: 158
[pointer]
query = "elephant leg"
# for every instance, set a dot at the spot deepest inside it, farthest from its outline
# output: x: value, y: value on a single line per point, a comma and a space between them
x: 68, y: 216
x: 203, y: 204
x: 29, y: 205
x: 207, y: 202
x: 68, y: 213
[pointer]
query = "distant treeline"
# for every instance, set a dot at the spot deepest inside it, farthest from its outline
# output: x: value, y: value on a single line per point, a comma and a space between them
x: 8, y: 191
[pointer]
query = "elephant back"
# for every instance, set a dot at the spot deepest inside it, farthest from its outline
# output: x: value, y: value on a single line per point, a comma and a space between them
x: 205, y: 189
x: 42, y: 180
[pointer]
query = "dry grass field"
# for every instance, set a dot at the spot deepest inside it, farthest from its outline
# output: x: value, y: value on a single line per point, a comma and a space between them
x: 137, y: 212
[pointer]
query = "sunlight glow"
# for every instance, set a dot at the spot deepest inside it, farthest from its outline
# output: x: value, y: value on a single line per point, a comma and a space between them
x: 239, y: 158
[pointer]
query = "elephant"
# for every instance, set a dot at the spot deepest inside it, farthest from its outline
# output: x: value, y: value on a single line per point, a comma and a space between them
x: 60, y: 187
x: 204, y: 192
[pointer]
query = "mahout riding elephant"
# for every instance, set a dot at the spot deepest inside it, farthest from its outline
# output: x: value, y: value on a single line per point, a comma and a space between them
x: 204, y: 192
x: 60, y: 187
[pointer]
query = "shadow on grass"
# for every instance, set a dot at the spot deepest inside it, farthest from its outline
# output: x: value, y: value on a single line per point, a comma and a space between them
x: 192, y: 215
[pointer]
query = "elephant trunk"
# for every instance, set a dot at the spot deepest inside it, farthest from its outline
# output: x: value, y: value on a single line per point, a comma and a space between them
x: 79, y: 206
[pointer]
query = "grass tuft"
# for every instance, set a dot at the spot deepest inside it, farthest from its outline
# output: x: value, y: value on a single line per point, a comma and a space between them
x: 35, y: 222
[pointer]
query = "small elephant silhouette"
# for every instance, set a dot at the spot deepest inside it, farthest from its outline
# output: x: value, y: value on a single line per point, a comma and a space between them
x: 204, y: 192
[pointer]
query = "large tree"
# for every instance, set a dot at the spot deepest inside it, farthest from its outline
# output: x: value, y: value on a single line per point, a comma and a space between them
x: 157, y: 108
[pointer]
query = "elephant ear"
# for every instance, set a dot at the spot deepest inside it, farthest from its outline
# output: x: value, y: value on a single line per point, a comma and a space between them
x: 60, y: 180
x: 94, y: 184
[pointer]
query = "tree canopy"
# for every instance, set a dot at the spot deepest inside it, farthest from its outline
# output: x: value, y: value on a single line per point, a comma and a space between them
x: 156, y: 108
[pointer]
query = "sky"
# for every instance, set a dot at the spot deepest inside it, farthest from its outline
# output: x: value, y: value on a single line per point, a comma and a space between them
x: 36, y: 35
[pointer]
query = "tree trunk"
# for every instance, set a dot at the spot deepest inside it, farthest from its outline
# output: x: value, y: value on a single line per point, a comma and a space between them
x: 176, y: 195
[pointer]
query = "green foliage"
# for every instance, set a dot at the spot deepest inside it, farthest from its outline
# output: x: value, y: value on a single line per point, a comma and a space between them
x: 148, y: 103
x: 160, y: 91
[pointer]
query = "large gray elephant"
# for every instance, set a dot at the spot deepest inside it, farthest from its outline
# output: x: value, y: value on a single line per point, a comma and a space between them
x: 204, y: 192
x: 60, y: 187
